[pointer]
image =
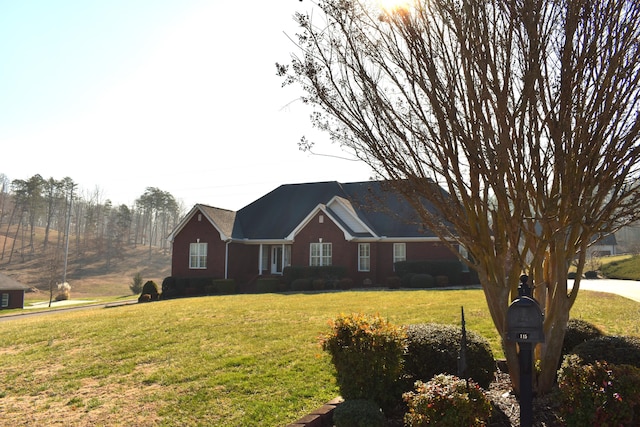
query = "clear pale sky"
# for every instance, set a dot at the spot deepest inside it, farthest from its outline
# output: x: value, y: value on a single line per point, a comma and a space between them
x: 182, y: 95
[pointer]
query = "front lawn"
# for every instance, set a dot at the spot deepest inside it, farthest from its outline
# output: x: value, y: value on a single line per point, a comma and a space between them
x: 249, y: 360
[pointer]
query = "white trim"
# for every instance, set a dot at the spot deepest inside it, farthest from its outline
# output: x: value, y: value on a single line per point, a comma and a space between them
x: 189, y: 216
x: 318, y: 209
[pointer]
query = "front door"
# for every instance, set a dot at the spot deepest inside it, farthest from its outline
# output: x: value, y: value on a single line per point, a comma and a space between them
x: 276, y: 259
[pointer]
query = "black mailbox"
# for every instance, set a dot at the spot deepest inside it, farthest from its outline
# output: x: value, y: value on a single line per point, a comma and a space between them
x: 524, y: 321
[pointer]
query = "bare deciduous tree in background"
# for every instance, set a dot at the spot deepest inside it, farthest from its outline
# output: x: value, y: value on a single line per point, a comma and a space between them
x: 525, y: 112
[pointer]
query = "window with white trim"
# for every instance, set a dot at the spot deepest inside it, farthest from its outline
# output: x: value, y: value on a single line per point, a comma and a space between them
x: 465, y: 254
x: 364, y: 257
x: 399, y: 252
x: 320, y: 254
x: 198, y: 255
x: 5, y: 300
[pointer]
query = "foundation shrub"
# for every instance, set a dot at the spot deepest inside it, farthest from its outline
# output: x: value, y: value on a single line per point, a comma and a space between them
x: 446, y: 401
x: 301, y: 285
x: 578, y: 331
x: 358, y: 413
x: 169, y: 289
x: 421, y: 280
x: 151, y: 288
x: 450, y: 268
x: 267, y: 285
x: 433, y: 349
x: 345, y: 283
x: 598, y: 394
x: 618, y: 350
x: 224, y: 286
x: 366, y: 352
x: 394, y: 282
x: 318, y: 284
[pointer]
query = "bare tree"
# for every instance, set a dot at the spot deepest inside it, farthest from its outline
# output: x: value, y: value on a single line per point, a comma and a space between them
x: 524, y: 112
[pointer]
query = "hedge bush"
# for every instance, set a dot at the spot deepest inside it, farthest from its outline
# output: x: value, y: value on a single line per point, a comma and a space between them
x: 447, y: 401
x: 331, y: 273
x: 599, y: 394
x: 358, y: 413
x: 434, y: 349
x: 450, y: 268
x: 267, y: 285
x: 618, y: 350
x: 367, y: 354
x: 578, y: 331
x: 224, y: 286
x: 421, y: 280
x: 151, y: 288
x: 301, y: 285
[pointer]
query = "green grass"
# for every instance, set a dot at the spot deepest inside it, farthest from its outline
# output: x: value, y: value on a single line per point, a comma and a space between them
x: 240, y: 360
x: 621, y: 267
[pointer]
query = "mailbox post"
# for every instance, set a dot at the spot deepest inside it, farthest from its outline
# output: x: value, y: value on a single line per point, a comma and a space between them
x: 524, y: 326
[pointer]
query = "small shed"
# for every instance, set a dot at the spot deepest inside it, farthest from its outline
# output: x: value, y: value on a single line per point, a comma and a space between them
x: 11, y: 293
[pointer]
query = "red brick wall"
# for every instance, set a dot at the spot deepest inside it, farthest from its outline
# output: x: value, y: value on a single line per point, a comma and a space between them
x: 16, y: 298
x: 198, y: 229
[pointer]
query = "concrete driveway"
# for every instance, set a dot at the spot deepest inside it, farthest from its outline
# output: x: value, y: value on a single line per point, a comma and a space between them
x: 626, y: 288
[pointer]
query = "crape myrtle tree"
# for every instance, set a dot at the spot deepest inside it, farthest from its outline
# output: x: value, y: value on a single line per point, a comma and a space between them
x: 517, y: 119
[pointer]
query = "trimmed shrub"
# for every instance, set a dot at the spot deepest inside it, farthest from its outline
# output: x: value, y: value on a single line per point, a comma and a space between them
x: 144, y: 298
x: 598, y: 394
x: 267, y: 285
x: 578, y: 331
x: 358, y: 413
x: 318, y: 284
x: 433, y: 349
x: 613, y: 349
x: 151, y: 288
x: 394, y: 282
x: 301, y: 285
x: 590, y: 274
x: 421, y: 280
x: 169, y: 287
x: 367, y: 354
x: 330, y: 273
x: 447, y: 401
x: 442, y: 280
x: 345, y: 283
x: 224, y: 286
x: 572, y: 275
x: 450, y: 268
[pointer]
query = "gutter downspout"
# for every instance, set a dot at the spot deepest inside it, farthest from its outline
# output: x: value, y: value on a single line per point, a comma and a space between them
x: 226, y: 258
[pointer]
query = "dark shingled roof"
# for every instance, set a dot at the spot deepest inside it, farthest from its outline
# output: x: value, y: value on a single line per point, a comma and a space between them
x: 276, y: 214
x: 9, y: 284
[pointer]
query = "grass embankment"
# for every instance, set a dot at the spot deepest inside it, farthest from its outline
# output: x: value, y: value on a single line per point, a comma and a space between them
x: 242, y: 360
x: 621, y: 267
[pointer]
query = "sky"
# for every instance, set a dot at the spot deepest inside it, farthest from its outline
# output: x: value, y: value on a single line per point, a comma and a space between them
x: 182, y: 95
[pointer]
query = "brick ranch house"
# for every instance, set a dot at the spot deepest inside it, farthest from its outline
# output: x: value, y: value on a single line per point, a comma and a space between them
x: 359, y: 225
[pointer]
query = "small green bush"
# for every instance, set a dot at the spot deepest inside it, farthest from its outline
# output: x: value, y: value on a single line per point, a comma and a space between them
x: 618, y: 350
x: 224, y: 286
x: 394, y: 282
x: 136, y: 284
x: 367, y: 354
x: 578, y: 331
x: 590, y: 274
x: 151, y: 288
x: 598, y: 394
x: 421, y: 280
x: 450, y: 268
x: 318, y: 284
x: 301, y: 285
x: 433, y: 349
x: 345, y: 283
x: 358, y: 413
x: 447, y: 401
x: 267, y: 285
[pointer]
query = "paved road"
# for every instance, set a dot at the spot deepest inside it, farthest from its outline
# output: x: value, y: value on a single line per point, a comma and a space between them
x: 626, y: 288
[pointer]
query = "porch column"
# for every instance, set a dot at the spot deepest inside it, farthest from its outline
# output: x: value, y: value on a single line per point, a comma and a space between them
x: 260, y: 259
